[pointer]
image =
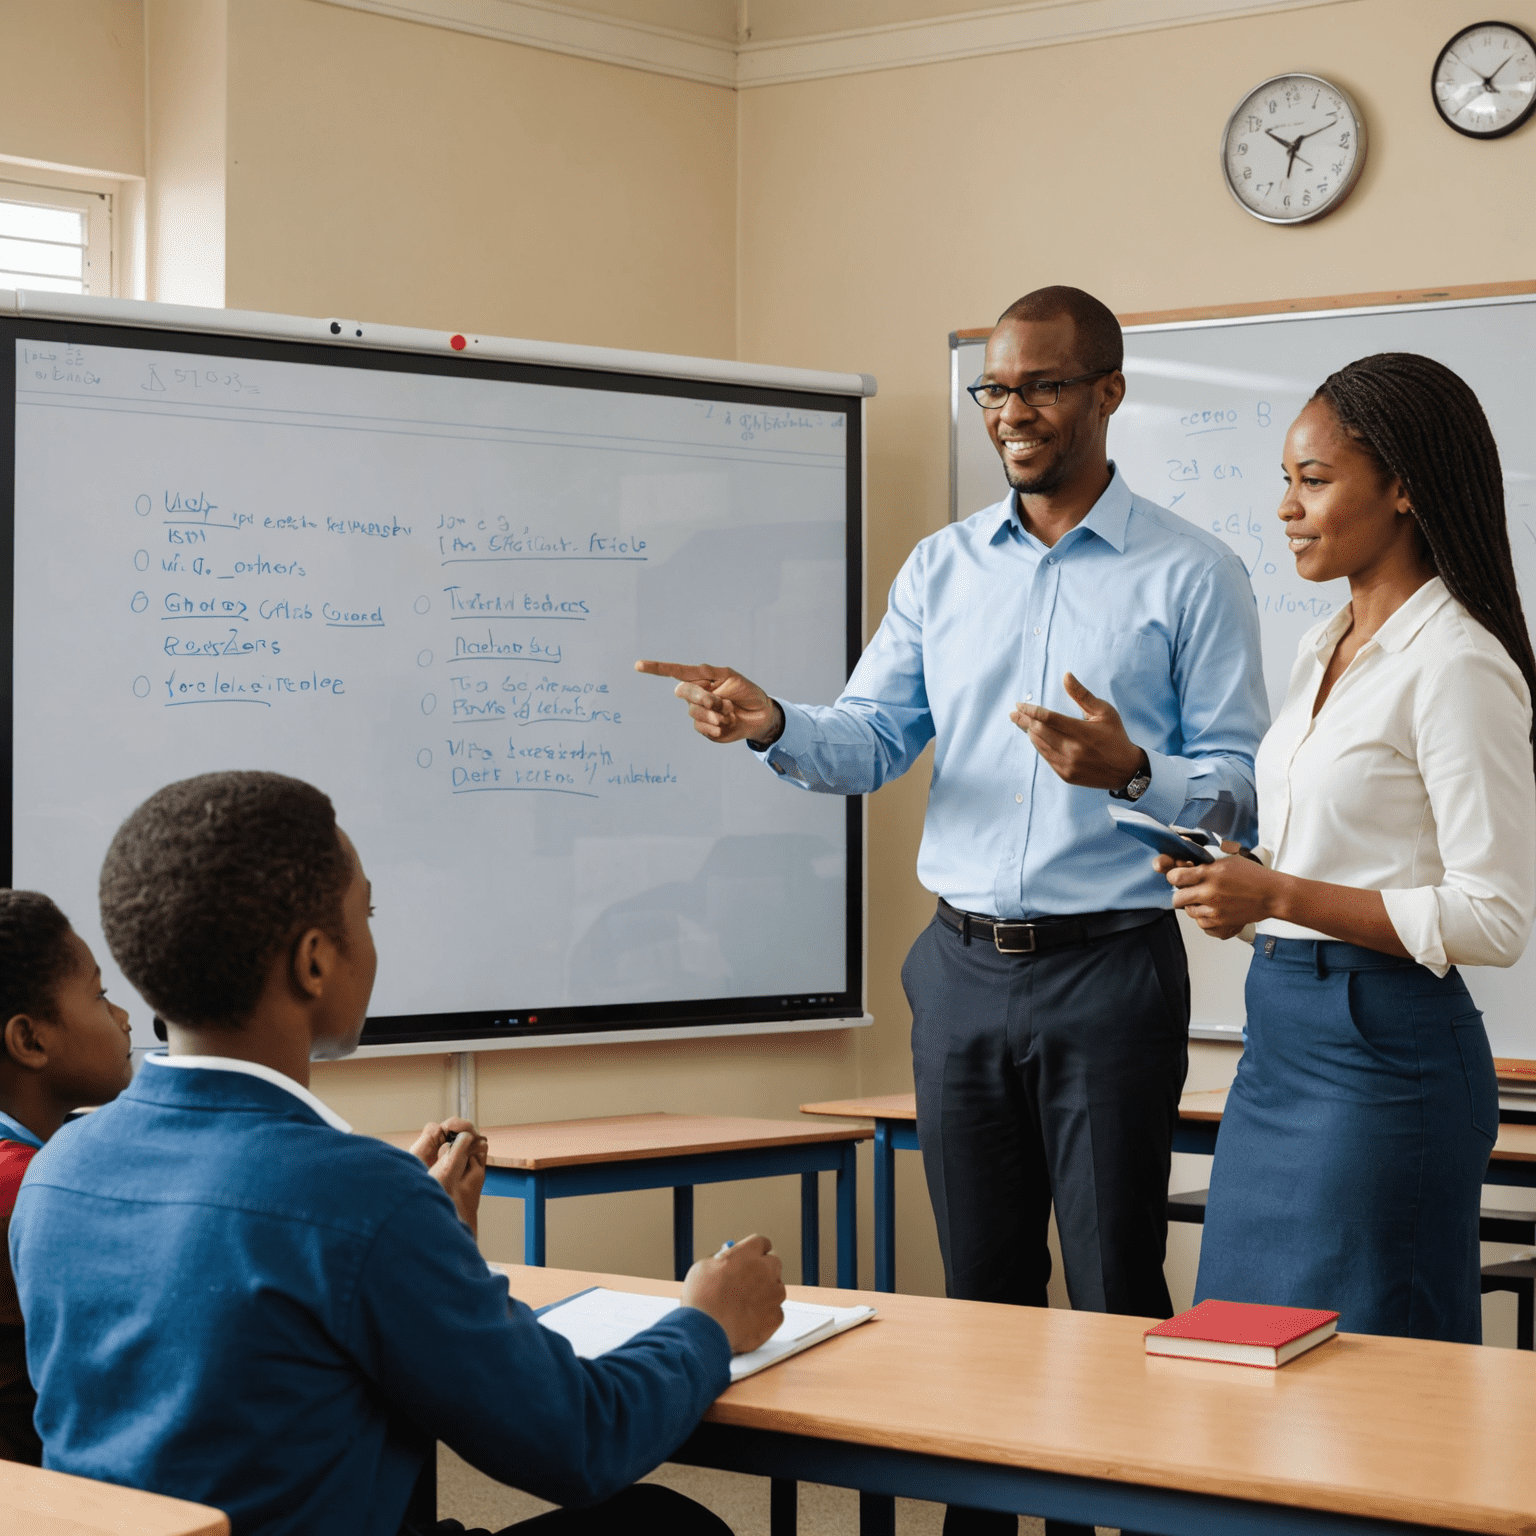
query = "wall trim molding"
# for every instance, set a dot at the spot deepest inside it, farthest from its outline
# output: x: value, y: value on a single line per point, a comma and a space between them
x: 900, y: 45
x: 563, y: 29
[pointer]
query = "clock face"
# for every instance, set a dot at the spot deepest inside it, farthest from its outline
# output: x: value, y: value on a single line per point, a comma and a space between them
x: 1293, y: 149
x: 1484, y: 81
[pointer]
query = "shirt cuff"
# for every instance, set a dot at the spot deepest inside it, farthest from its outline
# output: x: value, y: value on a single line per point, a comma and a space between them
x: 1415, y: 916
x: 783, y: 756
x: 1168, y: 793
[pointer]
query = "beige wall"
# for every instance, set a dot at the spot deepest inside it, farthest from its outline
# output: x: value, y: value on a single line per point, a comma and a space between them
x: 186, y: 46
x: 73, y: 91
x: 391, y: 172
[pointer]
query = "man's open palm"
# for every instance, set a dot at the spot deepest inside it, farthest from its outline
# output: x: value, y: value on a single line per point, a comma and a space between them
x: 725, y: 706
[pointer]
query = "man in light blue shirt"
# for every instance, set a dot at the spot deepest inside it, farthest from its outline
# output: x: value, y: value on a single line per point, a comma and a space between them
x: 1072, y: 643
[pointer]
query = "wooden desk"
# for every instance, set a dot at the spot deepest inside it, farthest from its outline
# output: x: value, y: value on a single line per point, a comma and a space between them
x: 561, y: 1158
x: 38, y: 1503
x: 895, y: 1117
x: 1513, y: 1161
x: 1062, y: 1414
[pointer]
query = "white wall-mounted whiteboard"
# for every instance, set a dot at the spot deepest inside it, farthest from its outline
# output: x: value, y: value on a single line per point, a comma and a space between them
x: 420, y: 582
x: 1201, y: 430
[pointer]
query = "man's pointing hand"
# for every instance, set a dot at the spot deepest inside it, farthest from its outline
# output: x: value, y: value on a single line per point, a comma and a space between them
x: 1093, y: 751
x: 725, y: 706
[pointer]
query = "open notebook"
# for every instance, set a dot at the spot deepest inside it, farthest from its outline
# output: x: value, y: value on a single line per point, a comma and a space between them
x: 598, y: 1320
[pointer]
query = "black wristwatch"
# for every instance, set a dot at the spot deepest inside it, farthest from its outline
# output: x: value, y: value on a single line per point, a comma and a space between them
x: 1138, y: 783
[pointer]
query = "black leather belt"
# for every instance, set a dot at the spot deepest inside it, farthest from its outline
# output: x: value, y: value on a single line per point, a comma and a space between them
x: 1041, y: 933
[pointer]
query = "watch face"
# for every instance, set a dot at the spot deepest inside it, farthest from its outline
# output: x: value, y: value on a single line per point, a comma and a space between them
x: 1484, y: 81
x: 1293, y: 149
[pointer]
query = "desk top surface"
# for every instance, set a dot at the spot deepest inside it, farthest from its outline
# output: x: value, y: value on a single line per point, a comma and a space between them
x: 54, y: 1504
x: 873, y: 1106
x: 628, y: 1138
x: 1399, y: 1429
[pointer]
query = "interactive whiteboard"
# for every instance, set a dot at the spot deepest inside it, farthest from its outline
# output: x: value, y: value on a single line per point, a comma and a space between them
x: 1205, y: 415
x: 420, y: 581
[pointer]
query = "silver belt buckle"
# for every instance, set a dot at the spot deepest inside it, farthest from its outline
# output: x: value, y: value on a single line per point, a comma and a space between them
x: 1004, y: 949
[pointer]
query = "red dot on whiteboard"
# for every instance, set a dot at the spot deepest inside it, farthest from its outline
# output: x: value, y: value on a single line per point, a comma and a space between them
x: 457, y: 343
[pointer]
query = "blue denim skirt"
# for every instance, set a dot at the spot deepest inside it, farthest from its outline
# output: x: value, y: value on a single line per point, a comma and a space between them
x: 1350, y: 1162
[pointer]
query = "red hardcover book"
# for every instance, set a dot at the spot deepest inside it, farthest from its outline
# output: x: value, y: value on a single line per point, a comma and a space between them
x: 1242, y: 1333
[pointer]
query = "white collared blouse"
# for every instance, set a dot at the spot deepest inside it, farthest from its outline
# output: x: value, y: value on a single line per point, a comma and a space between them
x: 1414, y: 779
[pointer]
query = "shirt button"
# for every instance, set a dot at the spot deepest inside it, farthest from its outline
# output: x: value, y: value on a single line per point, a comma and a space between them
x: 1018, y: 799
x: 1029, y: 698
x: 1050, y: 559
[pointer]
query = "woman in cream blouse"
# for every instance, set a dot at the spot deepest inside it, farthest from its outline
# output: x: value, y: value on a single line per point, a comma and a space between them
x: 1397, y: 821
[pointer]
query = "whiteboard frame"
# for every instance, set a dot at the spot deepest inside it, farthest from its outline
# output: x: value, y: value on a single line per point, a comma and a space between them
x: 30, y: 304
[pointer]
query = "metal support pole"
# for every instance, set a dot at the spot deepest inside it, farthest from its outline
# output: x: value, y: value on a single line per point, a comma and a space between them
x: 810, y: 1229
x: 682, y: 1230
x: 885, y: 1208
x: 848, y: 1218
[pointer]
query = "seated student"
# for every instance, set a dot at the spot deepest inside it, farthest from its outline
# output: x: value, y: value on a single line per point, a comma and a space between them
x: 62, y: 1044
x: 230, y: 1299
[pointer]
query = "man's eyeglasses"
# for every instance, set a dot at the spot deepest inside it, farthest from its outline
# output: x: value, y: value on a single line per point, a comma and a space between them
x: 993, y: 397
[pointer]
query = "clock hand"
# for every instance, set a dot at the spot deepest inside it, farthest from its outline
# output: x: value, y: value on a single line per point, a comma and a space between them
x: 1488, y: 80
x: 1326, y: 126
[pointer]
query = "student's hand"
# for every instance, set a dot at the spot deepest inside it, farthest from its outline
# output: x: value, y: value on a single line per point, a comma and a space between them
x: 455, y: 1154
x: 725, y: 706
x: 1094, y: 751
x: 1224, y: 897
x: 741, y: 1288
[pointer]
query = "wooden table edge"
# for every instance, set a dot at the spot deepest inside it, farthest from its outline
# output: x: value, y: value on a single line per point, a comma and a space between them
x: 811, y: 1136
x: 1329, y: 1498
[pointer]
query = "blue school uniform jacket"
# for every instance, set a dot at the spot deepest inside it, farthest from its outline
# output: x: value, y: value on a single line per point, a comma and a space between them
x: 230, y: 1301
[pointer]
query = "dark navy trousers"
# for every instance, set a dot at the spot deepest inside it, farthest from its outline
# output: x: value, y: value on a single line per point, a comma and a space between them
x: 1051, y: 1078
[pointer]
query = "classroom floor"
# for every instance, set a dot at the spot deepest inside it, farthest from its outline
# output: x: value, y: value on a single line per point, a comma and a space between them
x: 742, y: 1502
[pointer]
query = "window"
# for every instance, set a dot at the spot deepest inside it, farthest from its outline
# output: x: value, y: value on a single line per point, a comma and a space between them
x: 55, y: 239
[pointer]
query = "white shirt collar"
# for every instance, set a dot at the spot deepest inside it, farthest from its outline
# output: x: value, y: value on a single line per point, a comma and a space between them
x: 265, y: 1073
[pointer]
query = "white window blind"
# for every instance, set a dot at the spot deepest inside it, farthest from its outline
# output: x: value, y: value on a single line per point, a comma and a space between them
x: 55, y: 239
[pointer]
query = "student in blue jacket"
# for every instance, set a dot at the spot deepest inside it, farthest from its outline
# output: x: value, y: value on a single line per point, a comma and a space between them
x: 230, y: 1299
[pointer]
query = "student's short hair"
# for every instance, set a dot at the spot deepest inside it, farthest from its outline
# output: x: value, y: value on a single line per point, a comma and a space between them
x: 209, y: 880
x: 1100, y: 343
x: 34, y: 954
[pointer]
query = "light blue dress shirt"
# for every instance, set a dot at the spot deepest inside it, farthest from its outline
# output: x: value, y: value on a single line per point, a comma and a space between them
x: 1145, y: 609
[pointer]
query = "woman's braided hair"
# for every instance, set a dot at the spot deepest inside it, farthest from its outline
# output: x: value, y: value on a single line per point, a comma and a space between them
x: 1425, y: 427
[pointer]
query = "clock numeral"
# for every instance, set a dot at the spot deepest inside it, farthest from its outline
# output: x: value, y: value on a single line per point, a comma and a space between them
x: 1306, y: 199
x: 1254, y: 123
x: 1322, y: 189
x: 1285, y: 202
x: 1247, y: 173
x: 1344, y: 139
x: 1242, y: 149
x: 1338, y: 167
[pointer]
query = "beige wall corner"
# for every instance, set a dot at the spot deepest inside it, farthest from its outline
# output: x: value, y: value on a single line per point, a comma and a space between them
x: 394, y: 172
x: 186, y: 48
x: 74, y: 84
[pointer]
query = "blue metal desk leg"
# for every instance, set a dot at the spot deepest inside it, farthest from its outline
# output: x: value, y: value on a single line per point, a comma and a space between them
x: 533, y: 1221
x: 848, y: 1218
x: 810, y: 1229
x: 885, y: 1208
x: 877, y: 1514
x: 682, y: 1230
x: 783, y: 1495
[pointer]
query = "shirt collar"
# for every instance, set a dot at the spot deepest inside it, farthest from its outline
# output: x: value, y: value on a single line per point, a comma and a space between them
x: 256, y: 1069
x: 1399, y: 630
x: 1109, y: 517
x: 14, y: 1130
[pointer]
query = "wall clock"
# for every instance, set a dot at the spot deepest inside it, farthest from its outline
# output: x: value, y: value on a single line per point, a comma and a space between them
x: 1293, y: 149
x: 1484, y: 82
